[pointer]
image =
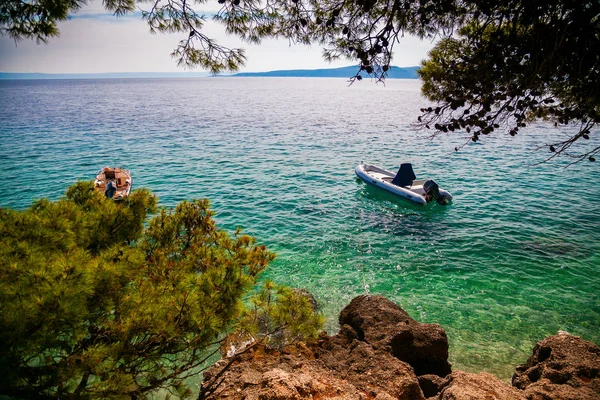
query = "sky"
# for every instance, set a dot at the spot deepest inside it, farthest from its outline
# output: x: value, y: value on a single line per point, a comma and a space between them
x: 94, y: 41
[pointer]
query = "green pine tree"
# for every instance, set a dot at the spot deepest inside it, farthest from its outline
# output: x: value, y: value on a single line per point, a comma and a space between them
x: 94, y: 305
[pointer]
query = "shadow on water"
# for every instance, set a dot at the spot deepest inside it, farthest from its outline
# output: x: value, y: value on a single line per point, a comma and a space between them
x: 405, y: 206
x: 384, y: 212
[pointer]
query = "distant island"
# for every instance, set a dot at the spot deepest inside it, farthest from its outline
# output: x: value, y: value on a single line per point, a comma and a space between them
x: 343, y: 72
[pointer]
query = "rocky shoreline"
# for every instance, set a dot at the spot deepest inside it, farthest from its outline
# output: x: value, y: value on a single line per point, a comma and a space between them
x: 382, y: 353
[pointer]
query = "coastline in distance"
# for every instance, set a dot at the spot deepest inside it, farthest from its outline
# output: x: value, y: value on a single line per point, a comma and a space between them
x: 342, y: 72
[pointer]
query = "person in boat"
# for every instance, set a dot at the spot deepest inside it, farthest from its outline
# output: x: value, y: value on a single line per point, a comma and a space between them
x: 111, y: 189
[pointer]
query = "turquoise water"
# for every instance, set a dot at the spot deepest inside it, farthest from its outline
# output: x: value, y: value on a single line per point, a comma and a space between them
x: 513, y: 259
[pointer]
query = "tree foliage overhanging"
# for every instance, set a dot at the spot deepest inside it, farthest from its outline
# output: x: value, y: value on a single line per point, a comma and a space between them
x: 498, y: 65
x: 94, y: 305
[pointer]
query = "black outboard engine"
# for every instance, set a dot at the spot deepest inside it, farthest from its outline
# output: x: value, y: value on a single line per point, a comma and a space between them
x: 432, y: 189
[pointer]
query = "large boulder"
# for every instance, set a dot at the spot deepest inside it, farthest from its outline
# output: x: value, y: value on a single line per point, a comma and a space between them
x: 384, y: 325
x: 331, y: 367
x: 483, y: 386
x: 376, y: 373
x: 563, y: 367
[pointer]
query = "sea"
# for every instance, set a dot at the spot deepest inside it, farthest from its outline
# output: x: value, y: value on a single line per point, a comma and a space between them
x: 514, y: 258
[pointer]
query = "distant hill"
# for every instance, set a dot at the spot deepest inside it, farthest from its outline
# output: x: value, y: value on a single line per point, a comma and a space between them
x: 343, y: 72
x: 111, y: 75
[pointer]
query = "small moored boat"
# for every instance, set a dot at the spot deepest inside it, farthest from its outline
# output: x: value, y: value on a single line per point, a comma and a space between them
x: 403, y: 184
x: 115, y: 183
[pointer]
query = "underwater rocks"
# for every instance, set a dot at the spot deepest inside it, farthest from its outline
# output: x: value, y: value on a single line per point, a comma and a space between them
x: 381, y: 353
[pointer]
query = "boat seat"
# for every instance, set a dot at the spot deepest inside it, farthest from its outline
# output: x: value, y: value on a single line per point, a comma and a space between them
x: 405, y: 175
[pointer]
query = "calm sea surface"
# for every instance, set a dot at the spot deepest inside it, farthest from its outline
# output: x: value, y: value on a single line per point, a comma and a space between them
x: 514, y: 258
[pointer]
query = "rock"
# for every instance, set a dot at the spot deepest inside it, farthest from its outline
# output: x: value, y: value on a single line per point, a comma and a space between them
x: 250, y: 377
x: 563, y: 367
x: 336, y: 367
x: 311, y: 299
x: 430, y: 384
x: 375, y: 372
x: 383, y: 324
x: 380, y: 353
x: 483, y: 386
x: 278, y: 384
x: 353, y: 373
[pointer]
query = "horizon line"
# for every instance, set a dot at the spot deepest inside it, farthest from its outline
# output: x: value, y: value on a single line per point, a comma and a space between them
x: 182, y: 72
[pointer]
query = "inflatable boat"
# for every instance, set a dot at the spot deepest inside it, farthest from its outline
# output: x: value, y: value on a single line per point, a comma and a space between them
x: 115, y: 183
x: 403, y: 184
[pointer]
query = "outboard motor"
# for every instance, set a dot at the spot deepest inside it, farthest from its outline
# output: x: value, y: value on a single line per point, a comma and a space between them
x: 432, y: 189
